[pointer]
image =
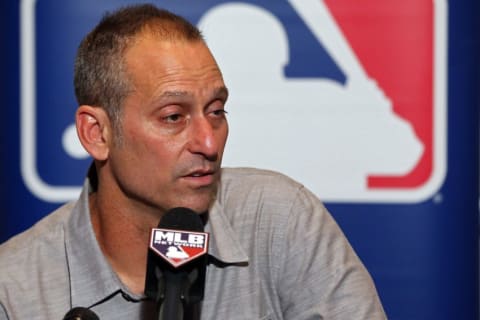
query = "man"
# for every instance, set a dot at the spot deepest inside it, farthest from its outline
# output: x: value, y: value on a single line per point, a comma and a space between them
x: 152, y: 116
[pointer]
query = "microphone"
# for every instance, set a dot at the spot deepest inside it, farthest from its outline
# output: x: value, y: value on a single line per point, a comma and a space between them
x: 81, y: 313
x: 176, y: 265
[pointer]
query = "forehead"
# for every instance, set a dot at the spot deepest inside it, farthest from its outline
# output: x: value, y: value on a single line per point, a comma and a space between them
x: 163, y: 62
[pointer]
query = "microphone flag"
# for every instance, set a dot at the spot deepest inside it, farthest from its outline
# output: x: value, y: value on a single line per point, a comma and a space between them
x: 178, y: 247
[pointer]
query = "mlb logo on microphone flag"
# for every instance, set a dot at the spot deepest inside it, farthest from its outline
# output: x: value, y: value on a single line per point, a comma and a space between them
x: 178, y: 247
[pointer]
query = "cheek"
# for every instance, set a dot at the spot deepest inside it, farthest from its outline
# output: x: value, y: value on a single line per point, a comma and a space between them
x: 222, y: 139
x: 159, y: 157
x: 227, y: 130
x: 142, y: 142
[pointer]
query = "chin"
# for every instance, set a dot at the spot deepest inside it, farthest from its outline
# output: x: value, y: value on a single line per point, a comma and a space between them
x: 199, y: 208
x: 201, y: 205
x: 199, y: 201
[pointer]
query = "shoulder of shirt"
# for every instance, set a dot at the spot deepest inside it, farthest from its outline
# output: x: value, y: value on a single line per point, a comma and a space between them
x: 46, y: 232
x: 34, y: 265
x: 258, y: 177
x: 259, y: 186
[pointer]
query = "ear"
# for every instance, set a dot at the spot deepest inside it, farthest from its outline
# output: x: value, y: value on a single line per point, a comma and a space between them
x: 93, y: 129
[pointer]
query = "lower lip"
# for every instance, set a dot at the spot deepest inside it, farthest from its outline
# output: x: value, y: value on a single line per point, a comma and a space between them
x: 200, y: 181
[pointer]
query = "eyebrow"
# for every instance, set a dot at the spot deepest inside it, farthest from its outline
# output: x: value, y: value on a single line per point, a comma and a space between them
x: 221, y: 91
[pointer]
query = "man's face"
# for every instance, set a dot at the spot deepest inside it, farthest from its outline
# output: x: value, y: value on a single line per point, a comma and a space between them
x: 173, y: 125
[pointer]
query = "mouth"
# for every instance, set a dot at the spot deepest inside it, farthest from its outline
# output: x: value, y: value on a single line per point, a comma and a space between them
x: 201, y: 177
x: 200, y: 172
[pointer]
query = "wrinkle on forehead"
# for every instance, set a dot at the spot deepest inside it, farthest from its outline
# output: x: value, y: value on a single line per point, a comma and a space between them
x: 158, y: 59
x: 221, y: 92
x: 161, y: 69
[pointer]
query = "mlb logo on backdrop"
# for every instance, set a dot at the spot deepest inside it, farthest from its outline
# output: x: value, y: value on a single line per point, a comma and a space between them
x: 347, y: 97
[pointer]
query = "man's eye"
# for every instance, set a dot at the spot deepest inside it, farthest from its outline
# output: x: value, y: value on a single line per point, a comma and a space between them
x: 219, y: 113
x: 172, y: 118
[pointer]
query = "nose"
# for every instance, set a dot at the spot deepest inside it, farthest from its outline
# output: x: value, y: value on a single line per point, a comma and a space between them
x: 206, y: 139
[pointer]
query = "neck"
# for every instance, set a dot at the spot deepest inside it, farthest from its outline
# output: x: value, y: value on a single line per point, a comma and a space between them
x: 123, y: 237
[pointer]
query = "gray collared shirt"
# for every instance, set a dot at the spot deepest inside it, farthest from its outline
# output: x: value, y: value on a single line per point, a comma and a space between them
x: 278, y: 254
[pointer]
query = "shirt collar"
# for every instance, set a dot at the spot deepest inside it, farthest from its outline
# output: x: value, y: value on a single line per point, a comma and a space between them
x: 91, y: 277
x: 224, y: 244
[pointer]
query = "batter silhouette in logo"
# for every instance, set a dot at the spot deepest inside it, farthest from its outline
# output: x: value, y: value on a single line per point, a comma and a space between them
x: 329, y: 135
x: 175, y: 252
x: 374, y: 136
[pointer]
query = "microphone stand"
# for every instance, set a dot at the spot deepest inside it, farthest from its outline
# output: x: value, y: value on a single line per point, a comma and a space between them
x: 177, y: 292
x: 177, y: 289
x: 172, y: 303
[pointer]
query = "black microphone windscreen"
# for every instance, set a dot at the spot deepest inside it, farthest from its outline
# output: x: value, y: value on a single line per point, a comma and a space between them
x: 181, y: 219
x: 178, y: 290
x: 81, y: 313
